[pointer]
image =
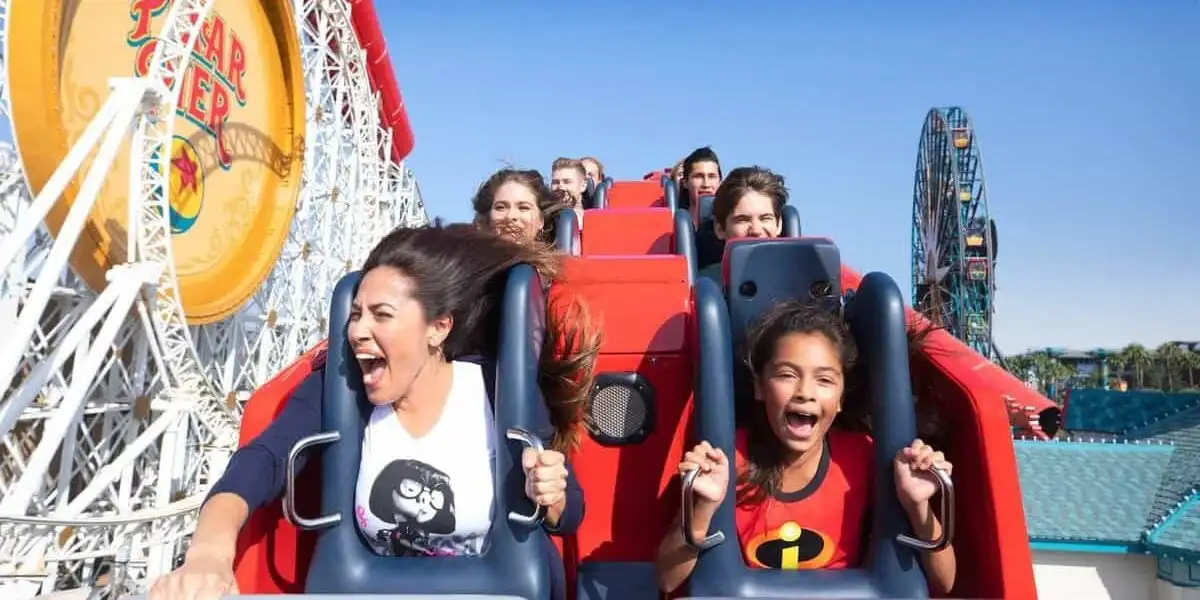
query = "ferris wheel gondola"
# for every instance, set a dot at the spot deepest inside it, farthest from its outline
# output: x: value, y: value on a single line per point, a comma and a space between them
x: 953, y: 235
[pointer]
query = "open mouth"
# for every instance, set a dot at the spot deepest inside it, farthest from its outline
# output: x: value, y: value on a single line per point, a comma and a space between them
x: 800, y: 424
x: 372, y: 367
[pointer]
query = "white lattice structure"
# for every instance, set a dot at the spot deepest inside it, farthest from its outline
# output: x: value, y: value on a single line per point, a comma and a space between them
x: 115, y: 415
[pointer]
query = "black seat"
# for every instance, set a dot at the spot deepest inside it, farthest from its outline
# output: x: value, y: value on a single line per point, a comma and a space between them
x: 706, y: 208
x: 710, y: 249
x: 791, y: 222
x: 600, y: 195
x: 566, y: 233
x: 762, y: 272
x: 670, y: 192
x: 515, y: 563
x: 685, y: 241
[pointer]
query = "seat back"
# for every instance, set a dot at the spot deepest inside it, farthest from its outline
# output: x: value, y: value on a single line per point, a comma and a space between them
x: 791, y: 222
x: 637, y: 418
x: 670, y: 193
x: 566, y: 233
x: 705, y: 209
x: 635, y: 194
x: 762, y: 271
x: 272, y: 554
x: 515, y: 562
x: 628, y: 231
x: 589, y: 194
x: 600, y: 195
x: 759, y: 273
x: 710, y: 249
x: 685, y: 241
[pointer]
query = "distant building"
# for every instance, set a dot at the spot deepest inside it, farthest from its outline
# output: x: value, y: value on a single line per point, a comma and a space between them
x: 1087, y: 363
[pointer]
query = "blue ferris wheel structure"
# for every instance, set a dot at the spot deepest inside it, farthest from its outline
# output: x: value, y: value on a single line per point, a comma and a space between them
x: 953, y: 235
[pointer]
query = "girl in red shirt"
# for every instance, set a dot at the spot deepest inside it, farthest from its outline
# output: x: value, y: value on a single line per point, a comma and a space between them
x: 804, y: 486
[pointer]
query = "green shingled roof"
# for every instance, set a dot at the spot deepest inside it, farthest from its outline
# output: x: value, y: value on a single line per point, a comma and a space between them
x: 1120, y: 412
x: 1179, y: 533
x: 1183, y: 473
x: 1089, y: 492
x: 1139, y: 490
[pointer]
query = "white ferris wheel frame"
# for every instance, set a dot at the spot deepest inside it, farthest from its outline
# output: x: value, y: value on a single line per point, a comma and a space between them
x: 199, y: 375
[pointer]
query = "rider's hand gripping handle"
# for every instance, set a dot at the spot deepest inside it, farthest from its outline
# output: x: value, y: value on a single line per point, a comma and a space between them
x: 688, y: 502
x: 946, y: 515
x: 531, y: 441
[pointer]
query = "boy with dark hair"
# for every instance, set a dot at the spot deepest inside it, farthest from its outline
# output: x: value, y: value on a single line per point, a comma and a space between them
x: 701, y: 177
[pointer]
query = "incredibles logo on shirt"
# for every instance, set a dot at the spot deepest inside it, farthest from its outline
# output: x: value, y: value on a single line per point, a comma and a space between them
x: 791, y: 548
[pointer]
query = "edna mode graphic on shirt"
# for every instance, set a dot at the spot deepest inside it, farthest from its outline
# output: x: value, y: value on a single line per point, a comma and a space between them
x: 416, y: 500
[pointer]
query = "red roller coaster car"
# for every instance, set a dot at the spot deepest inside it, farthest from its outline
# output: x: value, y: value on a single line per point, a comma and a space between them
x: 666, y: 335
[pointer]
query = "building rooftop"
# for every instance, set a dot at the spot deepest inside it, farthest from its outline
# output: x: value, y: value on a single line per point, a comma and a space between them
x: 1115, y: 412
x: 1132, y: 486
x: 1179, y: 534
x: 1090, y: 492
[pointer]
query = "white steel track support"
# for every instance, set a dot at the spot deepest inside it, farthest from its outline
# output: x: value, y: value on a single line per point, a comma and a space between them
x: 126, y: 97
x: 128, y: 282
x: 149, y: 416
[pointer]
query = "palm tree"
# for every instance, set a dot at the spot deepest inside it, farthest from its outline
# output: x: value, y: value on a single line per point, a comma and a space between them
x: 1058, y: 373
x: 1117, y: 364
x: 1020, y: 365
x: 1104, y: 361
x: 1191, y: 363
x: 1049, y: 371
x: 1138, y: 358
x: 1170, y: 356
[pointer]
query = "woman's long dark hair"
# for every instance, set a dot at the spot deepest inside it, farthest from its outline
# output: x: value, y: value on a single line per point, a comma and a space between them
x: 548, y: 203
x: 765, y: 454
x: 460, y: 271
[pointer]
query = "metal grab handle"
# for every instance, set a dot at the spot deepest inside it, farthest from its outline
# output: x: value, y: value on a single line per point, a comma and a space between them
x: 688, y: 501
x: 946, y: 515
x: 528, y: 439
x: 289, y: 490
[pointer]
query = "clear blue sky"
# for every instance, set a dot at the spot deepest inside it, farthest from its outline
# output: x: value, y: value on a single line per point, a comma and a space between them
x: 1088, y: 113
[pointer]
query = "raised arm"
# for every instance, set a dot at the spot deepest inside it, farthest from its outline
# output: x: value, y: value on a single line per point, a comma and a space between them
x: 255, y: 473
x: 254, y: 476
x: 676, y: 557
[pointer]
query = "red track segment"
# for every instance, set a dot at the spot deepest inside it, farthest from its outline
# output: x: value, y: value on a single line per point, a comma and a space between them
x: 383, y: 78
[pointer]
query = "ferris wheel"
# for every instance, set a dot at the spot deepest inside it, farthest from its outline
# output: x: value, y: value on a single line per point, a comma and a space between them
x: 189, y: 179
x: 953, y: 236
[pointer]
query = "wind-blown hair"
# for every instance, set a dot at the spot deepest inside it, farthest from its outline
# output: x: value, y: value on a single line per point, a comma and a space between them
x: 460, y: 271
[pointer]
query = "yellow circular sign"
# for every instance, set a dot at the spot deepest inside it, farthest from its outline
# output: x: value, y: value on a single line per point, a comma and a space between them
x: 239, y: 133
